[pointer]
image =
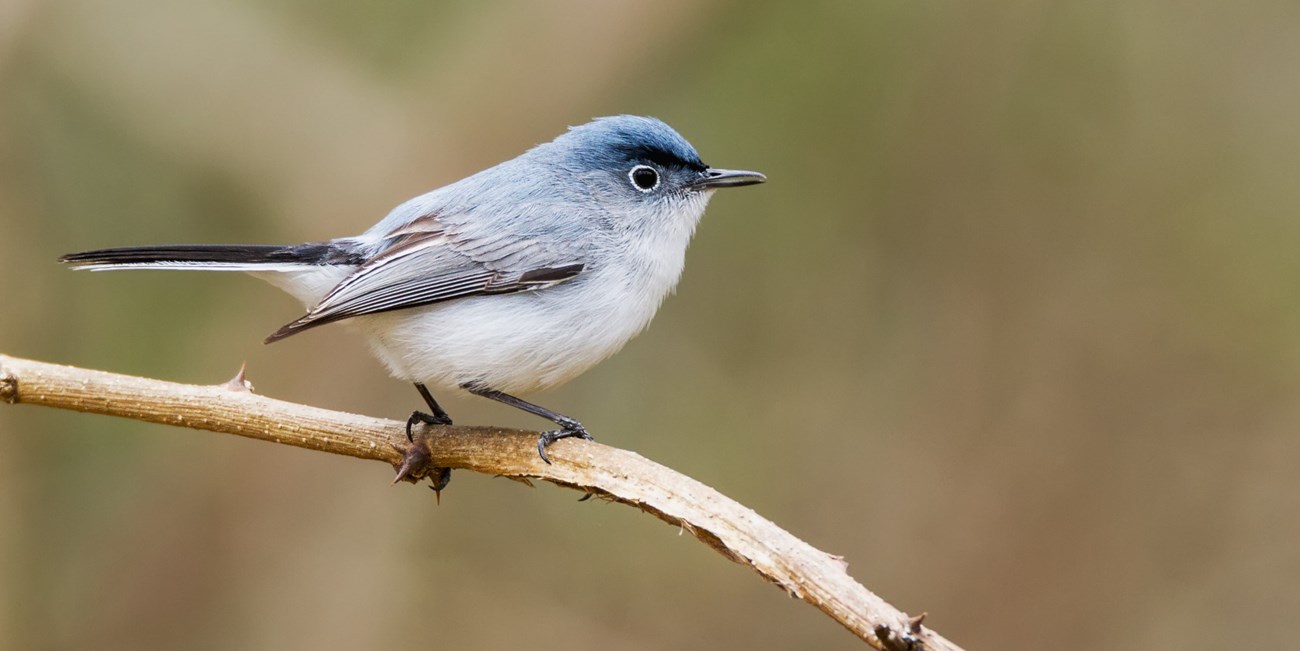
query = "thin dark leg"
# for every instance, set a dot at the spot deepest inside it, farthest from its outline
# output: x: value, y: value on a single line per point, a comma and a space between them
x: 438, y: 413
x: 439, y: 416
x: 568, y: 427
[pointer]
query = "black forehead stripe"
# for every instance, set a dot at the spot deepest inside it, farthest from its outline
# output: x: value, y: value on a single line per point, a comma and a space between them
x: 664, y: 157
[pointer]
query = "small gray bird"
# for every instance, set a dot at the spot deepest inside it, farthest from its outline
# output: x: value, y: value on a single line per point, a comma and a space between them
x: 512, y: 280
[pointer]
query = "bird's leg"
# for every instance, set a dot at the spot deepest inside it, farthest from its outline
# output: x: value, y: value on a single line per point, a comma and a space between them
x: 439, y: 417
x: 416, y: 462
x: 569, y: 428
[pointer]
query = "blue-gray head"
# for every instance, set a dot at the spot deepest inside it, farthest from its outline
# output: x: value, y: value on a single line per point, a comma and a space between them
x: 640, y: 161
x: 649, y: 155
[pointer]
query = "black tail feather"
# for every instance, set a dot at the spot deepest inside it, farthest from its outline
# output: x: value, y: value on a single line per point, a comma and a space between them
x: 317, y: 253
x: 175, y: 253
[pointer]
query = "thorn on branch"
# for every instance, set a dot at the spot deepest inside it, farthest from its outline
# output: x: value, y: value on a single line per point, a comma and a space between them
x: 914, y: 623
x: 415, y: 464
x: 240, y: 381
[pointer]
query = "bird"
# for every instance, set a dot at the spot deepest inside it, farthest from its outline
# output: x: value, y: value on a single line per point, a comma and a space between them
x: 510, y: 281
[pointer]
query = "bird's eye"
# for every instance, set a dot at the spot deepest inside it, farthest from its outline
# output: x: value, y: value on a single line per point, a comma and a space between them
x: 644, y: 177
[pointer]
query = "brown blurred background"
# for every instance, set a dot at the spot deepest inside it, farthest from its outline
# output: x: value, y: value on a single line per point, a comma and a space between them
x: 1015, y: 326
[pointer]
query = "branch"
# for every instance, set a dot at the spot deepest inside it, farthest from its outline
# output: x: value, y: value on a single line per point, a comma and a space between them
x: 735, y: 531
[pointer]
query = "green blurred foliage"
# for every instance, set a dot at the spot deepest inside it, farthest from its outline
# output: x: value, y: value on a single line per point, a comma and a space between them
x: 1013, y: 327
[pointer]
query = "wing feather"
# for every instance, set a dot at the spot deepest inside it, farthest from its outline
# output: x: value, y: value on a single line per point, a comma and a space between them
x: 423, y: 263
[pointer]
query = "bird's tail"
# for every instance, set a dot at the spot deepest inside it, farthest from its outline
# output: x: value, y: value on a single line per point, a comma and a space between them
x: 215, y: 257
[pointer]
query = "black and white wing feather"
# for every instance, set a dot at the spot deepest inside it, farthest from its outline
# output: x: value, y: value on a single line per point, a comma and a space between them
x: 426, y: 262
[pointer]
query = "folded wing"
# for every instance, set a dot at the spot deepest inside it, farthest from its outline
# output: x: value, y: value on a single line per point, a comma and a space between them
x: 424, y: 262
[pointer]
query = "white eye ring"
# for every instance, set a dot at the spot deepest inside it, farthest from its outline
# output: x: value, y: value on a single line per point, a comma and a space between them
x: 640, y: 170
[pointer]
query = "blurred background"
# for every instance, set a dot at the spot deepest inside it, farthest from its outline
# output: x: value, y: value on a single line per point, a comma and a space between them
x: 1015, y: 326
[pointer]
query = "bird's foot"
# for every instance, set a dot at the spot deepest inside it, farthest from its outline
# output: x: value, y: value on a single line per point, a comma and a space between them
x: 427, y: 419
x: 569, y: 428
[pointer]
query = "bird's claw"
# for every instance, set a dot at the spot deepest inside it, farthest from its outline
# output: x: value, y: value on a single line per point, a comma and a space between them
x: 427, y: 419
x: 569, y: 429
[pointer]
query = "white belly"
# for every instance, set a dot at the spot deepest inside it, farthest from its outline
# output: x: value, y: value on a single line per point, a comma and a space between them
x: 516, y: 343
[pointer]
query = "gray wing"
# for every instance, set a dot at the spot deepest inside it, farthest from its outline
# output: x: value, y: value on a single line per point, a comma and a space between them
x: 427, y: 262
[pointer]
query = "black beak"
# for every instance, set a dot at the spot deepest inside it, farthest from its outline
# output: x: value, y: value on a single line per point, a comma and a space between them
x: 715, y: 178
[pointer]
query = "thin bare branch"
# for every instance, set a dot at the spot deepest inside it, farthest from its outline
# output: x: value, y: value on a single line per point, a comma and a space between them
x: 737, y: 532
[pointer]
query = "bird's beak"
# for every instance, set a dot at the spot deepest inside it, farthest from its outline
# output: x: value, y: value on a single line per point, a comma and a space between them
x: 715, y: 178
